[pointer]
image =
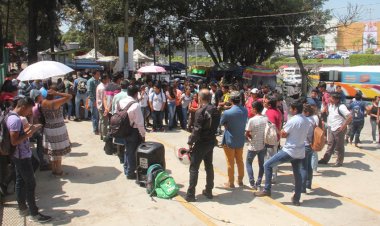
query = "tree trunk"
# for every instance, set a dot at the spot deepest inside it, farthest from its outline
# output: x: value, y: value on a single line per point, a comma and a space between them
x: 52, y: 22
x: 302, y: 69
x: 32, y: 31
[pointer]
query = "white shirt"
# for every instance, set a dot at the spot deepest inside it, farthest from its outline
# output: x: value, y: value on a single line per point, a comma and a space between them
x: 296, y: 128
x: 186, y: 100
x: 158, y: 100
x: 256, y: 125
x: 99, y: 95
x: 334, y: 120
x: 143, y: 100
x: 134, y: 113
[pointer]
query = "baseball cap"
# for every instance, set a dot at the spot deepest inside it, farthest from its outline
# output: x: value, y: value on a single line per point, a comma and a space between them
x: 255, y: 91
x: 34, y: 93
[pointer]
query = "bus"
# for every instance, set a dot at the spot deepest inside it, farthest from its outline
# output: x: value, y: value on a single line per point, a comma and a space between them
x: 351, y: 79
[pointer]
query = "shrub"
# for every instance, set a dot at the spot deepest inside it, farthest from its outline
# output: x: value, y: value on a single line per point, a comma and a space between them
x: 364, y: 59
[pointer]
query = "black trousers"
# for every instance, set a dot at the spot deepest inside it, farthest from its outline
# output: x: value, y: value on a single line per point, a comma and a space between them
x: 201, y: 152
x: 179, y: 116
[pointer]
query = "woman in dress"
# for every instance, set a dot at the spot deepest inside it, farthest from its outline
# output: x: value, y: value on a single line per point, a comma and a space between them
x: 56, y: 141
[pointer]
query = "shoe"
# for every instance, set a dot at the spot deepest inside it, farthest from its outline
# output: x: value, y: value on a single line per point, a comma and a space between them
x: 131, y: 177
x: 374, y: 142
x: 295, y: 202
x: 190, y: 198
x: 322, y: 161
x: 228, y: 186
x: 208, y: 194
x: 40, y: 218
x: 337, y: 165
x: 262, y: 193
x: 23, y: 211
x: 240, y: 184
x: 254, y: 187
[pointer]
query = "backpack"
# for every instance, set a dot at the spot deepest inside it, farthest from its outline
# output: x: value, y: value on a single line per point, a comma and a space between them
x: 6, y: 147
x: 319, y: 138
x: 152, y: 172
x: 165, y: 186
x: 82, y: 89
x: 357, y: 111
x: 120, y: 125
x: 270, y: 136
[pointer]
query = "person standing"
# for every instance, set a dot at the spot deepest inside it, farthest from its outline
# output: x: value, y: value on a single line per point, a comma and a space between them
x: 143, y: 100
x: 234, y: 121
x: 100, y: 93
x: 338, y: 119
x: 293, y: 151
x: 325, y: 101
x: 157, y: 103
x: 372, y: 111
x: 358, y: 108
x: 80, y: 89
x: 137, y: 136
x: 193, y: 107
x: 56, y: 140
x: 201, y: 143
x: 342, y: 95
x: 22, y: 158
x: 255, y: 133
x: 92, y: 83
x: 185, y: 101
x: 254, y: 96
x: 171, y: 103
x: 178, y: 105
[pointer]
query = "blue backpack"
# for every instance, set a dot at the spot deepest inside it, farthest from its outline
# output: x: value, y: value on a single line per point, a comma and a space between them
x: 357, y: 110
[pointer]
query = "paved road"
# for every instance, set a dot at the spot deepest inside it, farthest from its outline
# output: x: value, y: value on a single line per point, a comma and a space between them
x: 95, y: 191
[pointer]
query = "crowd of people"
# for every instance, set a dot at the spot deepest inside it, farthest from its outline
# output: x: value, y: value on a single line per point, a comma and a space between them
x: 37, y: 111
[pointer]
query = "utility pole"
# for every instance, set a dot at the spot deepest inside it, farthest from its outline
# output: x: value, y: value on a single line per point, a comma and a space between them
x: 94, y: 30
x: 186, y: 48
x: 126, y: 32
x: 170, y: 58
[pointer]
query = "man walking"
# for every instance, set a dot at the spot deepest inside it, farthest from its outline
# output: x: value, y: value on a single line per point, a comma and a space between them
x: 100, y: 93
x: 358, y: 108
x: 92, y: 83
x: 295, y: 132
x: 202, y: 142
x: 137, y: 136
x: 234, y: 121
x: 338, y: 119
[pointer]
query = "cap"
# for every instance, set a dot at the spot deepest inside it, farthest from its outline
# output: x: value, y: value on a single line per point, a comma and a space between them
x: 255, y: 91
x: 34, y: 93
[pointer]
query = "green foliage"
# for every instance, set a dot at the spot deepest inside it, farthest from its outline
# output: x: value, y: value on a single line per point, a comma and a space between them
x: 364, y: 59
x: 369, y: 51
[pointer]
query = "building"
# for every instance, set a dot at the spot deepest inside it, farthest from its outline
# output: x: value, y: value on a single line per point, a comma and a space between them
x: 359, y: 36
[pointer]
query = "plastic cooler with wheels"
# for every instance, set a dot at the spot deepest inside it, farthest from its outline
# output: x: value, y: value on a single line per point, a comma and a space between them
x: 147, y: 154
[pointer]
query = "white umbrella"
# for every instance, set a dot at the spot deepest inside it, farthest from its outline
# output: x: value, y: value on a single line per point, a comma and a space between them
x: 151, y: 69
x: 44, y: 70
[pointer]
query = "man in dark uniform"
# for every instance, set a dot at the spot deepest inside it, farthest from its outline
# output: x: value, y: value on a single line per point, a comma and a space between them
x: 202, y: 142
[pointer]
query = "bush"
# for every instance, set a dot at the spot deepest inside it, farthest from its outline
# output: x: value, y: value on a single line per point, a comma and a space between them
x: 364, y: 59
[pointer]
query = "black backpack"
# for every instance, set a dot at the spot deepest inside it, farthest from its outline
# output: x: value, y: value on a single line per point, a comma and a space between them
x: 120, y: 126
x: 6, y: 147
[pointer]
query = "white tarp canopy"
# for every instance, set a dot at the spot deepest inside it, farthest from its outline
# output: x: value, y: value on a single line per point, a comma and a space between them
x: 107, y: 59
x: 90, y: 55
x: 138, y: 56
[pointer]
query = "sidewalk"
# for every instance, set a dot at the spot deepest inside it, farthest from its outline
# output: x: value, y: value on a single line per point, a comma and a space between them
x: 96, y: 192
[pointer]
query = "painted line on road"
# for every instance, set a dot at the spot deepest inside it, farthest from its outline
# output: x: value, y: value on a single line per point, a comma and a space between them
x: 195, y: 211
x: 367, y: 153
x: 341, y: 197
x: 267, y: 199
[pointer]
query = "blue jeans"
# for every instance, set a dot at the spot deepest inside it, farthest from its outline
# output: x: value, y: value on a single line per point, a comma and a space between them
x: 374, y: 127
x: 157, y: 119
x: 94, y: 116
x: 78, y: 98
x: 277, y: 159
x: 307, y: 169
x: 248, y: 164
x: 171, y: 109
x: 356, y: 129
x: 314, y: 161
x: 25, y: 185
x: 184, y: 114
x: 69, y: 111
x: 131, y: 144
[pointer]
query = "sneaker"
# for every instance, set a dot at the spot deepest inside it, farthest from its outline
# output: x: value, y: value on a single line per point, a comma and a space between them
x: 40, y: 218
x: 337, y: 165
x: 131, y: 177
x: 208, y: 194
x: 262, y: 193
x: 190, y: 199
x: 322, y: 161
x: 374, y: 142
x: 295, y: 202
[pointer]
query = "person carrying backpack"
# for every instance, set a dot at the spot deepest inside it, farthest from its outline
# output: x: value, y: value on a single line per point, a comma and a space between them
x: 202, y: 142
x: 80, y: 88
x: 338, y: 118
x: 357, y: 108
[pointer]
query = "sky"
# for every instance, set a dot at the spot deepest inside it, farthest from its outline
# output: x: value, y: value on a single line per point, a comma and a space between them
x: 369, y: 8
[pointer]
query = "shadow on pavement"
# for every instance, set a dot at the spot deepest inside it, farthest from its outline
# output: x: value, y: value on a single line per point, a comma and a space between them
x: 78, y: 154
x: 331, y: 173
x: 323, y: 203
x: 233, y: 197
x: 91, y: 175
x: 356, y: 164
x: 354, y: 154
x: 63, y: 217
x: 75, y: 144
